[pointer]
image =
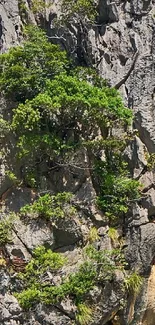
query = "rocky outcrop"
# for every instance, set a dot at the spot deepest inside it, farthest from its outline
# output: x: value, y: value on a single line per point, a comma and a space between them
x: 121, y: 45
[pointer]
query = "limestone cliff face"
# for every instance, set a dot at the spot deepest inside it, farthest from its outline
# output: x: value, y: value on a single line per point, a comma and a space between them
x: 122, y: 47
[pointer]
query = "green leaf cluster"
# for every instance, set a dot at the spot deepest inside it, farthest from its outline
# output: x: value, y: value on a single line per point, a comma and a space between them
x: 81, y: 8
x: 51, y: 206
x: 43, y: 261
x: 39, y: 6
x: 97, y: 267
x: 25, y: 69
x: 133, y: 282
x: 5, y: 232
x: 84, y: 314
x: 117, y: 188
x: 4, y: 127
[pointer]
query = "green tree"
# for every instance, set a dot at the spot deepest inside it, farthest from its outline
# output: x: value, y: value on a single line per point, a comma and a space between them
x: 25, y: 69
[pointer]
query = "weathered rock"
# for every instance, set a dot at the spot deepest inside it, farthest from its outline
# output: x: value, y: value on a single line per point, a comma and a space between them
x: 29, y: 235
x: 67, y: 231
x: 135, y: 154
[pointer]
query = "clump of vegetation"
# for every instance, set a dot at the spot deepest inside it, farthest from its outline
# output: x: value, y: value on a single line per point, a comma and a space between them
x: 97, y: 267
x: 5, y: 231
x: 12, y: 176
x: 39, y: 6
x: 133, y: 282
x: 93, y: 235
x: 57, y: 108
x: 84, y: 9
x: 24, y: 70
x: 117, y: 188
x: 2, y: 262
x: 42, y: 262
x: 84, y: 314
x: 151, y: 161
x: 51, y: 206
x: 4, y: 127
x: 22, y: 10
x: 113, y: 234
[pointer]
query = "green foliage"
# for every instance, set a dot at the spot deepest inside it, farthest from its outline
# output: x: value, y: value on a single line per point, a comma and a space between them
x: 57, y: 112
x: 84, y: 314
x: 97, y: 267
x: 133, y: 282
x: 23, y: 10
x: 12, y: 176
x: 43, y: 261
x: 86, y: 101
x: 25, y: 69
x: 4, y: 127
x: 117, y: 189
x: 50, y: 122
x: 29, y: 297
x: 51, y: 206
x: 113, y: 234
x: 150, y: 161
x: 39, y: 6
x: 93, y: 235
x: 106, y: 262
x: 81, y: 8
x: 5, y: 232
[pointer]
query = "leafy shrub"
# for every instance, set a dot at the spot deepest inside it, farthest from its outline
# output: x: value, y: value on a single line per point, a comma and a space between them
x: 84, y: 314
x: 50, y: 121
x: 25, y: 69
x: 117, y: 189
x: 39, y: 6
x: 98, y: 266
x: 81, y: 8
x: 57, y: 112
x: 93, y: 235
x: 133, y: 282
x: 4, y: 127
x: 51, y: 206
x: 5, y: 232
x: 29, y: 297
x: 43, y: 261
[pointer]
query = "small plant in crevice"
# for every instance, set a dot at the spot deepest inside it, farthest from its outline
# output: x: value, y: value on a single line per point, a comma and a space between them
x: 12, y: 177
x: 2, y: 262
x: 84, y: 314
x: 116, y: 188
x: 133, y: 282
x: 4, y: 127
x: 5, y: 232
x: 113, y: 234
x: 93, y: 235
